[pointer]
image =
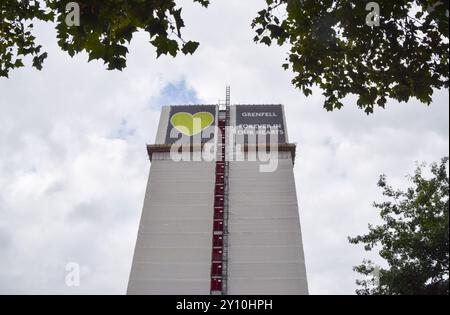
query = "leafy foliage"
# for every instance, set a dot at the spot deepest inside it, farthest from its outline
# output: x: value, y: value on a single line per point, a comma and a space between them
x: 106, y: 28
x: 332, y: 46
x: 16, y: 37
x: 414, y: 239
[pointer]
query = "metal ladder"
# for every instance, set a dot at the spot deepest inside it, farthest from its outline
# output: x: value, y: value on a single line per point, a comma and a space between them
x: 219, y: 257
x: 226, y: 206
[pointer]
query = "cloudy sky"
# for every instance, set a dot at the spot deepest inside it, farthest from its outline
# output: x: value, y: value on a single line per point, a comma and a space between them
x: 73, y: 163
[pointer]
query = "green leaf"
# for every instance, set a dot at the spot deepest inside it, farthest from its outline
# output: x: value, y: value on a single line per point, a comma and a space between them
x: 266, y: 40
x: 190, y: 47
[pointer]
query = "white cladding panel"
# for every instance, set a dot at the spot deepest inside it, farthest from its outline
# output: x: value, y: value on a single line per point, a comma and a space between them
x: 163, y: 123
x: 265, y: 245
x: 173, y: 248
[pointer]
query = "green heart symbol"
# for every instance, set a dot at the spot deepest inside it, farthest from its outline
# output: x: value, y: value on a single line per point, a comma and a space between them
x: 189, y: 124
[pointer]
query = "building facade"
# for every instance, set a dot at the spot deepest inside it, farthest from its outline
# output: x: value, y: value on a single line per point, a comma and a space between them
x: 220, y: 213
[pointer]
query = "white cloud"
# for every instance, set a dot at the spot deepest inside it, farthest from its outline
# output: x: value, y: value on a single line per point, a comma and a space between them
x: 73, y: 165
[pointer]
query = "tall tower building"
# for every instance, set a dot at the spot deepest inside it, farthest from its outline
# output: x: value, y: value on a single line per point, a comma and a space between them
x: 220, y: 213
